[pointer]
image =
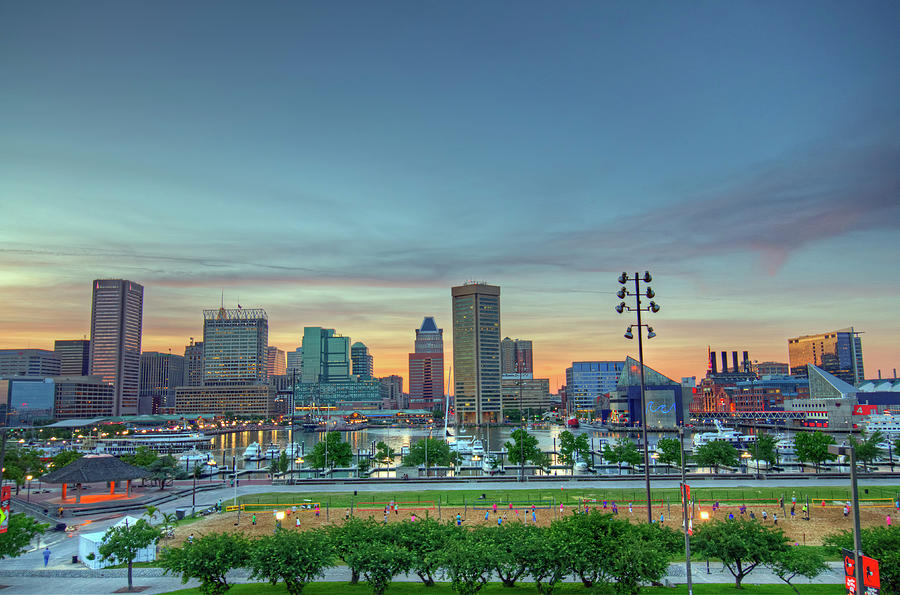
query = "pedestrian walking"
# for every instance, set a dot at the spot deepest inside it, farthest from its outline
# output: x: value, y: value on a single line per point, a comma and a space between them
x: 499, y: 520
x: 560, y: 507
x: 615, y: 508
x: 495, y: 508
x: 487, y: 514
x: 298, y: 522
x: 765, y: 516
x: 346, y: 514
x: 413, y: 517
x: 396, y: 509
x: 630, y: 509
x: 458, y: 519
x: 60, y: 512
x: 775, y: 518
x: 46, y: 556
x: 661, y: 518
x: 823, y: 503
x: 190, y: 539
x: 534, y: 518
x: 805, y: 511
x: 793, y: 511
x: 604, y: 505
x: 752, y: 516
x: 253, y: 518
x: 317, y: 511
x: 846, y: 510
x: 510, y: 505
x: 887, y: 520
x: 385, y: 517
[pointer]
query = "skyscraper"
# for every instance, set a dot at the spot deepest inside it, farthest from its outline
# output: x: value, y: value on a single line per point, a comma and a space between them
x: 160, y: 374
x: 363, y: 363
x: 193, y: 363
x: 587, y: 381
x: 326, y: 356
x: 476, y: 352
x: 74, y: 357
x: 426, y: 367
x: 837, y: 352
x: 295, y: 362
x: 276, y: 364
x: 29, y: 362
x: 116, y: 322
x: 235, y: 346
x: 516, y: 357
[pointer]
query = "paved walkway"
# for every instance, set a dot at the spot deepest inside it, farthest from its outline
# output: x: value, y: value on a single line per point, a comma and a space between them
x: 56, y: 580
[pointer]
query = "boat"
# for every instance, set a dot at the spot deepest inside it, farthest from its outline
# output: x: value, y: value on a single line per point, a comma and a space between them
x: 293, y: 450
x: 477, y: 449
x: 194, y: 458
x: 722, y: 434
x: 491, y: 465
x: 887, y: 424
x: 580, y: 466
x: 272, y: 451
x: 785, y: 446
x: 462, y: 445
x: 252, y: 452
x: 162, y: 443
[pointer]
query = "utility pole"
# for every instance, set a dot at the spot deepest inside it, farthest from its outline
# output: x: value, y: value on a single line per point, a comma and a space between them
x: 684, y: 515
x: 293, y: 409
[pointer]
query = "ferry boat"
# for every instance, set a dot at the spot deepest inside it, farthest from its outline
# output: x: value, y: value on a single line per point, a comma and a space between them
x: 887, y: 424
x: 194, y: 458
x: 463, y: 445
x: 252, y: 452
x: 161, y: 443
x: 722, y: 434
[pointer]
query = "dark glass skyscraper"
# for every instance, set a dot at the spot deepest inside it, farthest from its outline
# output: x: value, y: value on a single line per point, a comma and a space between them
x: 476, y: 352
x: 116, y: 321
x: 837, y: 352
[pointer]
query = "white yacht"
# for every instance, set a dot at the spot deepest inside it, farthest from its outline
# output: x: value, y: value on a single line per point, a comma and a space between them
x: 580, y: 465
x: 477, y: 449
x: 163, y: 443
x: 887, y: 424
x: 490, y: 465
x: 194, y: 458
x: 785, y: 446
x: 721, y: 434
x: 463, y: 445
x: 293, y: 450
x: 252, y: 452
x: 272, y: 451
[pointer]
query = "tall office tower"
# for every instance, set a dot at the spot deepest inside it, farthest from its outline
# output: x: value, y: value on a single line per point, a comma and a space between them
x: 160, y: 374
x: 295, y: 362
x: 29, y: 362
x: 426, y: 367
x: 515, y: 357
x: 74, y: 356
x: 234, y: 346
x: 837, y: 352
x: 276, y: 364
x: 363, y: 363
x: 193, y: 363
x: 587, y: 381
x: 476, y: 352
x: 392, y: 392
x: 326, y: 356
x: 116, y: 320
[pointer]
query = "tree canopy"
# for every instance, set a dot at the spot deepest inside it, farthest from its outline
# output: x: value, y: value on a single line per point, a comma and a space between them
x: 669, y: 450
x: 813, y: 447
x: 867, y: 449
x: 573, y: 447
x: 741, y: 544
x: 764, y: 449
x: 292, y: 557
x: 331, y: 452
x: 20, y: 530
x: 384, y: 454
x: 122, y: 544
x: 524, y: 448
x: 881, y: 543
x: 623, y: 451
x: 208, y: 560
x: 716, y: 454
x: 438, y: 453
x: 798, y: 561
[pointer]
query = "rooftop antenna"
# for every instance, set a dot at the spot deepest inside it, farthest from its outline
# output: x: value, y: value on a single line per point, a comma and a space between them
x: 222, y: 305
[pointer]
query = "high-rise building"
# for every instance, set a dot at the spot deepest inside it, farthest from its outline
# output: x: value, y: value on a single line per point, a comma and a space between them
x: 116, y: 321
x: 25, y: 400
x: 235, y: 343
x: 28, y: 362
x: 276, y: 364
x: 587, y: 381
x: 295, y: 362
x: 74, y: 356
x: 476, y: 352
x: 193, y: 363
x: 516, y: 357
x: 528, y: 395
x: 363, y: 363
x: 426, y: 367
x: 392, y: 392
x: 83, y: 397
x: 160, y: 374
x: 326, y: 356
x: 837, y: 352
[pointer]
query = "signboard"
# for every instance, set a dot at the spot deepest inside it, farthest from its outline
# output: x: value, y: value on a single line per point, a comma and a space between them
x: 871, y: 580
x: 865, y: 409
x: 5, y: 497
x: 849, y: 571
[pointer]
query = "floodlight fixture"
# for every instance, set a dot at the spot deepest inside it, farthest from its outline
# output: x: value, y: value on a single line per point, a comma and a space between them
x: 650, y: 333
x: 654, y: 307
x: 621, y: 293
x: 650, y: 293
x: 620, y: 308
x: 628, y: 334
x: 623, y: 278
x: 647, y: 277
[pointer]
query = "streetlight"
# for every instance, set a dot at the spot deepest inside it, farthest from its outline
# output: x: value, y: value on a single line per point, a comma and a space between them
x: 28, y: 478
x: 653, y: 307
x: 746, y: 455
x: 684, y: 514
x: 839, y: 450
x: 211, y: 464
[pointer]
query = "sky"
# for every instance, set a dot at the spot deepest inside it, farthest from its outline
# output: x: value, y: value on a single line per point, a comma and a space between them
x: 344, y: 164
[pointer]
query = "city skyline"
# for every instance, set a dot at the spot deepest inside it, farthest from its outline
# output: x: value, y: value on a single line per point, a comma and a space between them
x: 344, y: 168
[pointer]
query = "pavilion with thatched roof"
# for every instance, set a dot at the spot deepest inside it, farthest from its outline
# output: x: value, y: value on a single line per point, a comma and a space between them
x: 93, y: 469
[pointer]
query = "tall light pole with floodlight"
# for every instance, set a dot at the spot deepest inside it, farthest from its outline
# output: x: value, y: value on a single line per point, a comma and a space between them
x: 652, y: 307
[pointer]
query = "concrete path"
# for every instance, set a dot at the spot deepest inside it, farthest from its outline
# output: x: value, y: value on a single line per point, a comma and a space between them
x: 55, y: 581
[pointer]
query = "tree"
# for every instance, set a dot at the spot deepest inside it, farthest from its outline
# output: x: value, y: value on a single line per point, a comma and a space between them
x: 715, y: 454
x: 122, y: 544
x: 524, y: 446
x: 163, y: 471
x: 813, y: 447
x: 142, y: 457
x: 208, y: 560
x: 468, y: 560
x: 20, y: 530
x: 796, y: 560
x: 150, y: 511
x: 19, y: 463
x: 867, y: 449
x: 513, y: 416
x: 378, y: 562
x: 65, y: 457
x: 347, y: 537
x: 438, y: 453
x: 544, y: 559
x: 623, y: 451
x: 641, y: 555
x: 741, y: 544
x: 881, y: 543
x: 338, y: 453
x: 424, y: 540
x: 764, y: 448
x: 384, y: 454
x: 572, y: 448
x: 512, y: 545
x: 168, y: 522
x: 588, y: 542
x: 279, y: 465
x: 669, y: 450
x: 295, y: 558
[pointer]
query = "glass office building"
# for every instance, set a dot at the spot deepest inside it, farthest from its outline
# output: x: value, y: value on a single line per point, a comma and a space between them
x: 476, y: 352
x: 235, y: 344
x: 116, y: 322
x: 837, y: 352
x: 587, y: 381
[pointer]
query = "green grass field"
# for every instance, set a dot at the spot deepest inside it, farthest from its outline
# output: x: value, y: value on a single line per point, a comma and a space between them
x: 571, y: 496
x: 498, y: 588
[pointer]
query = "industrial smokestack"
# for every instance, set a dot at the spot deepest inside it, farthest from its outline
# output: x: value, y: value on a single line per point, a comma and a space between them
x: 734, y: 361
x: 746, y: 361
x: 712, y: 362
x: 895, y: 373
x: 724, y: 362
x: 879, y: 373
